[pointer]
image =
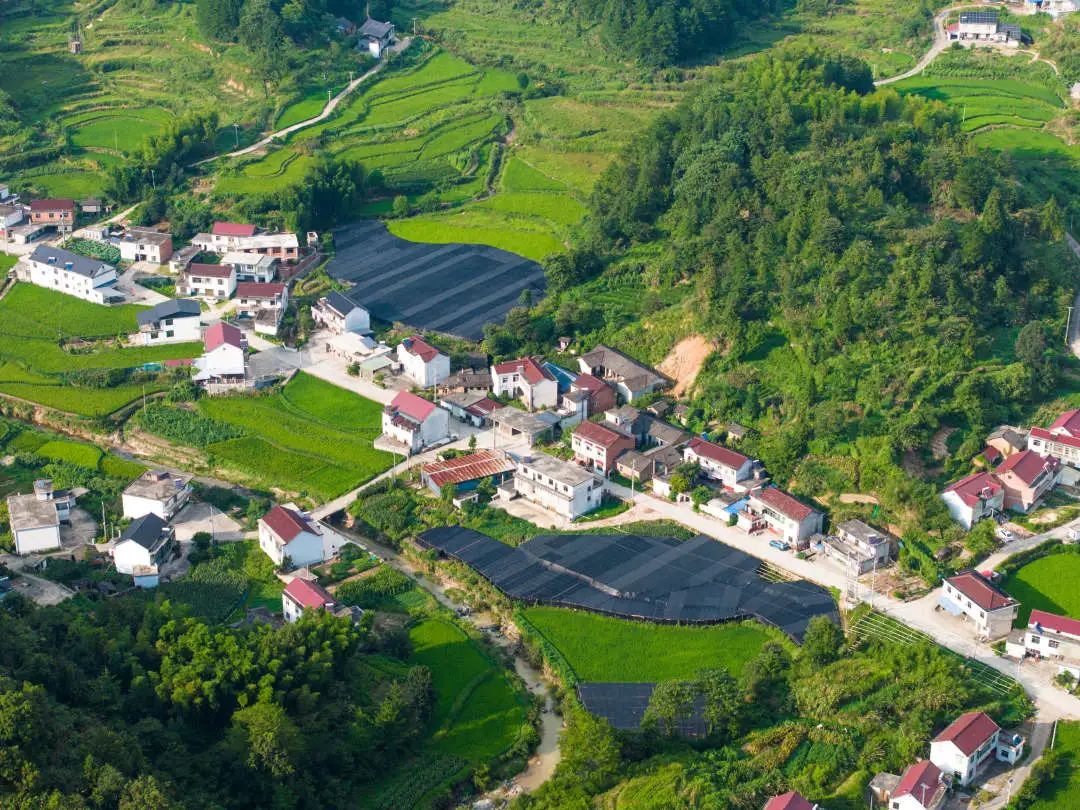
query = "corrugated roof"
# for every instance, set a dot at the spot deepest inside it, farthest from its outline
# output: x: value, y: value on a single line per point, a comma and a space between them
x: 468, y: 468
x: 52, y: 204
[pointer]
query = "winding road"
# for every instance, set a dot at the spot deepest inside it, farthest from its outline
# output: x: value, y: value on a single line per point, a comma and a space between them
x: 941, y: 42
x: 327, y: 110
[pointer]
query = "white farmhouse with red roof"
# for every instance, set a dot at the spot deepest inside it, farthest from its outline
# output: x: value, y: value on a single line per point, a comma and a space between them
x: 792, y: 800
x: 213, y: 281
x: 720, y: 463
x: 224, y: 359
x: 1061, y: 441
x: 773, y: 509
x: 1049, y: 636
x: 305, y: 594
x: 527, y: 380
x: 411, y: 423
x: 970, y: 594
x: 921, y: 787
x: 973, y: 498
x: 265, y: 304
x: 422, y: 363
x: 285, y: 531
x: 970, y: 743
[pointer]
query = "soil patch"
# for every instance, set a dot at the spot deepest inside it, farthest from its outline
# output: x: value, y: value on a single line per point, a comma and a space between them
x: 685, y: 361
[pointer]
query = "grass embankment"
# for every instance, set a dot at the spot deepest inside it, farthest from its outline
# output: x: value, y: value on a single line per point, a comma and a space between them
x: 33, y: 323
x: 599, y: 648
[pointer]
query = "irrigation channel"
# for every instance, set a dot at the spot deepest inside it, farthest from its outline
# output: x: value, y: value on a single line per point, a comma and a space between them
x: 547, y: 755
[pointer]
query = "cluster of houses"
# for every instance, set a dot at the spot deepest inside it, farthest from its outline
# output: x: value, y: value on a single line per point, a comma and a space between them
x: 958, y: 755
x: 1023, y: 466
x: 22, y: 223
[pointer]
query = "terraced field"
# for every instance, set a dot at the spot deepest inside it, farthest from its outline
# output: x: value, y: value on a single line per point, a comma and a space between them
x: 986, y: 102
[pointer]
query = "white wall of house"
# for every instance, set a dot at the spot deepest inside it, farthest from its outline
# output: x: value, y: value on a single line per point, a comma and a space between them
x: 569, y: 501
x: 290, y: 609
x: 173, y: 330
x: 951, y: 760
x: 128, y: 554
x: 968, y: 516
x: 424, y: 374
x: 304, y: 549
x: 433, y: 429
x: 723, y: 473
x: 225, y: 360
x: 45, y: 538
x: 135, y: 506
x: 56, y: 277
x: 989, y: 623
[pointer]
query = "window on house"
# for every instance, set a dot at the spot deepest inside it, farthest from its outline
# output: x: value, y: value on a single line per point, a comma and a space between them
x: 1053, y: 645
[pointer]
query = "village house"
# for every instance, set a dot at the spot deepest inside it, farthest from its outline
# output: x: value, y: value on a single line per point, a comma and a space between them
x: 525, y: 379
x: 646, y: 430
x: 91, y: 205
x: 474, y: 408
x: 858, y: 546
x: 1003, y: 442
x: 658, y: 464
x: 1050, y: 637
x: 511, y: 424
x: 340, y: 315
x: 57, y: 213
x: 223, y: 237
x: 733, y: 470
x: 35, y: 518
x: 157, y: 492
x: 465, y: 473
x: 10, y: 216
x: 976, y: 27
x: 145, y: 543
x: 971, y: 595
x: 265, y: 304
x: 172, y: 321
x: 146, y: 245
x: 560, y: 486
x: 251, y: 266
x: 411, y: 423
x: 467, y: 382
x: 228, y: 237
x: 422, y: 363
x: 596, y: 446
x: 306, y: 594
x: 977, y: 496
x: 1026, y: 477
x: 223, y: 364
x: 599, y: 396
x: 376, y: 37
x: 181, y: 259
x: 71, y: 273
x: 971, y: 742
x: 285, y: 247
x: 920, y: 787
x: 213, y: 281
x: 773, y: 509
x: 792, y: 800
x: 287, y: 534
x: 630, y: 378
x: 1061, y: 441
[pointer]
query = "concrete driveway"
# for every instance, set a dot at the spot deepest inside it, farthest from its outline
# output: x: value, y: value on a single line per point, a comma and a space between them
x: 202, y: 517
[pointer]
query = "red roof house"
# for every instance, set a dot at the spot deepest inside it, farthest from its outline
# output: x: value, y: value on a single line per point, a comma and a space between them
x: 976, y: 588
x: 528, y: 379
x: 598, y: 447
x: 286, y: 523
x: 718, y: 462
x: 414, y: 422
x: 601, y: 396
x: 1063, y: 625
x: 308, y: 594
x: 465, y: 470
x: 221, y: 334
x: 211, y: 270
x: 419, y: 347
x: 774, y: 509
x: 258, y: 289
x: 783, y: 503
x: 922, y: 781
x: 974, y: 497
x: 285, y: 532
x: 969, y: 732
x: 1068, y: 423
x: 1027, y: 477
x: 792, y: 800
x: 412, y: 406
x: 232, y: 229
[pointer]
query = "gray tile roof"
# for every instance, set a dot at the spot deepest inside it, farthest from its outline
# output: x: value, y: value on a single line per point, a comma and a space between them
x: 339, y: 303
x: 376, y: 29
x: 175, y: 308
x: 148, y: 531
x: 83, y: 265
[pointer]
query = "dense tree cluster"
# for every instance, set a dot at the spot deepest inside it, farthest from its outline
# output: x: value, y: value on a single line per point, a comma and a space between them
x: 127, y: 704
x: 657, y: 33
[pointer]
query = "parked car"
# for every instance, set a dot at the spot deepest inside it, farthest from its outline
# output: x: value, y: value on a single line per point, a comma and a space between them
x: 1004, y: 535
x: 780, y: 545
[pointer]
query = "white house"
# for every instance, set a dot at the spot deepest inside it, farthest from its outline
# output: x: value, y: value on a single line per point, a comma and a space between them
x: 921, y: 787
x: 527, y: 380
x: 411, y: 423
x: 223, y: 237
x: 228, y: 237
x: 984, y: 26
x: 285, y: 531
x: 34, y: 520
x: 774, y: 509
x: 1051, y: 637
x: 145, y: 245
x: 422, y: 363
x: 63, y: 271
x: 970, y: 594
x: 858, y: 546
x: 719, y: 463
x: 214, y: 281
x: 303, y: 594
x: 792, y: 800
x: 145, y: 543
x: 376, y: 36
x: 157, y: 492
x: 1061, y: 441
x: 969, y: 743
x: 172, y: 321
x: 561, y: 486
x: 224, y: 359
x: 340, y: 315
x: 265, y: 304
x: 973, y: 498
x: 251, y: 266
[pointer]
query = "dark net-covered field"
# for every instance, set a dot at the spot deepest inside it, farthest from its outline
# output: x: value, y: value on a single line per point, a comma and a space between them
x: 445, y: 288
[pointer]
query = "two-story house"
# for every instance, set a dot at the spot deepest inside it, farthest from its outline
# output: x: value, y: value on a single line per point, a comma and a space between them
x: 597, y: 446
x: 145, y: 543
x: 421, y: 362
x: 71, y: 273
x: 773, y: 509
x: 265, y: 304
x: 792, y: 800
x: 1026, y: 477
x: 172, y: 321
x: 720, y: 463
x: 561, y: 486
x: 1050, y: 637
x: 251, y: 266
x: 286, y: 533
x: 56, y: 212
x: 969, y: 744
x: 213, y: 281
x: 224, y: 358
x: 977, y: 496
x: 971, y: 595
x: 146, y: 245
x: 338, y: 314
x: 858, y: 546
x: 411, y: 423
x: 157, y: 492
x: 525, y: 379
x: 1061, y: 441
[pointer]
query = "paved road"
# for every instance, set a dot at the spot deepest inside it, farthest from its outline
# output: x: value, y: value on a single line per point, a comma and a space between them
x: 1073, y: 337
x: 327, y: 110
x: 941, y: 42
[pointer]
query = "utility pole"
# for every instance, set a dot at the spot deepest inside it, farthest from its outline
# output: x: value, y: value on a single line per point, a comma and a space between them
x: 104, y: 526
x: 153, y: 179
x: 1068, y: 326
x: 236, y: 133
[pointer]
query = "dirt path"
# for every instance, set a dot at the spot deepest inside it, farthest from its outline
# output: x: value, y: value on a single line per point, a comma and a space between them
x: 327, y: 110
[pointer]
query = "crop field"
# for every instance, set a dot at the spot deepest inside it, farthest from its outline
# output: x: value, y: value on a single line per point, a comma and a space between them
x: 1064, y: 789
x: 989, y: 101
x: 16, y: 437
x: 599, y: 648
x: 1051, y: 583
x: 312, y: 437
x: 123, y: 130
x: 33, y: 321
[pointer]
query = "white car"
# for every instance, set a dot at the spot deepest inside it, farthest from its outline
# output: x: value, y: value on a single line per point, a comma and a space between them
x: 1004, y: 535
